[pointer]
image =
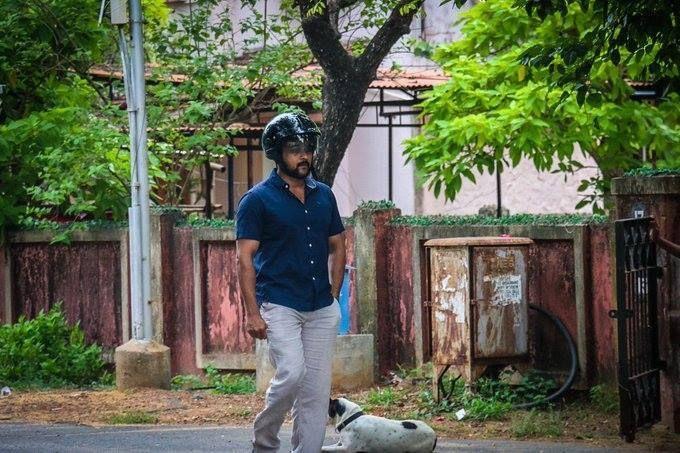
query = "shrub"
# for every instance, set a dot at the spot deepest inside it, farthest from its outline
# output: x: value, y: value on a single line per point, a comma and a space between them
x: 605, y: 398
x: 48, y: 352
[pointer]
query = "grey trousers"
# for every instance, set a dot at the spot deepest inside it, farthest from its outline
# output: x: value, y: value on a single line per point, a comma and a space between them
x: 301, y: 346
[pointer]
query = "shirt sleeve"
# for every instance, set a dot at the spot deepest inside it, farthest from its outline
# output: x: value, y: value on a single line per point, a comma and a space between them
x: 249, y: 218
x: 336, y: 226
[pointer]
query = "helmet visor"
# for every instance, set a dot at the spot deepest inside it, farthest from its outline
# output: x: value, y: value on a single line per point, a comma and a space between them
x: 300, y: 144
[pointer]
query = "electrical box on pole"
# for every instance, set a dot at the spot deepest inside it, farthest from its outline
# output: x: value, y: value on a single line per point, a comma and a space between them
x: 119, y: 12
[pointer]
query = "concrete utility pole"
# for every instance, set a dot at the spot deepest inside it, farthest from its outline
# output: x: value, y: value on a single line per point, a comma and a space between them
x: 141, y: 362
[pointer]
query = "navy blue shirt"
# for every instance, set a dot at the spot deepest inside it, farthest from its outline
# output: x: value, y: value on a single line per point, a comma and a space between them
x: 291, y: 264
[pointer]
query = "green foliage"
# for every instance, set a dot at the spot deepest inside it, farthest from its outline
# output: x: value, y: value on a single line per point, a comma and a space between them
x: 196, y: 221
x: 650, y: 172
x: 43, y: 43
x: 491, y: 114
x: 376, y: 205
x: 605, y: 398
x: 515, y: 219
x: 185, y: 382
x: 229, y: 384
x: 382, y: 397
x: 133, y: 418
x: 61, y: 146
x: 48, y: 352
x: 537, y: 424
x: 623, y: 31
x: 487, y: 399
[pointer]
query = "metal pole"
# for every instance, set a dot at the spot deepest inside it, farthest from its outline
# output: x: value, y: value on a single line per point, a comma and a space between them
x: 499, y: 206
x: 134, y: 235
x: 389, y: 158
x: 142, y: 162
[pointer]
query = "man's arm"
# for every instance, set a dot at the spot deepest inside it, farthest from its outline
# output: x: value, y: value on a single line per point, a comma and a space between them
x: 336, y: 262
x: 245, y: 251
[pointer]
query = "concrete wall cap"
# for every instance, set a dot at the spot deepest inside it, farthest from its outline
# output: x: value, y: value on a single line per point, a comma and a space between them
x: 480, y: 240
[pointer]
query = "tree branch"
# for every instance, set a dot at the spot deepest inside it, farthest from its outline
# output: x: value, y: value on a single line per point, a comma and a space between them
x: 324, y: 41
x: 395, y: 27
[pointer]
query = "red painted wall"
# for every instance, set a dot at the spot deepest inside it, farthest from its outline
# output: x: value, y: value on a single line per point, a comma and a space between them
x: 602, y: 327
x: 85, y: 276
x: 551, y: 286
x: 178, y: 322
x: 224, y: 318
x: 397, y: 334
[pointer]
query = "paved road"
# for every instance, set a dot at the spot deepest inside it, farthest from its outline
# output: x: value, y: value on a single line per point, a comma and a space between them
x: 72, y: 438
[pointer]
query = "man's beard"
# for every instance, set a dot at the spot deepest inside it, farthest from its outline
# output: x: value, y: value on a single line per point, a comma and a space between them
x: 298, y: 172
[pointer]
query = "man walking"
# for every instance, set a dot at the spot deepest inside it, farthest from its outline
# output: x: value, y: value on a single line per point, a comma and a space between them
x: 288, y: 233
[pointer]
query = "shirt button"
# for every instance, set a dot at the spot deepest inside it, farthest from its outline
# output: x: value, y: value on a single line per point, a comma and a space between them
x: 312, y: 261
x: 310, y: 245
x: 313, y: 278
x: 309, y: 228
x: 286, y: 186
x: 306, y: 211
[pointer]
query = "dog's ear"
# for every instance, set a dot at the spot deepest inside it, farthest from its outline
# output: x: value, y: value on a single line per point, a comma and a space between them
x: 332, y: 407
x: 335, y: 408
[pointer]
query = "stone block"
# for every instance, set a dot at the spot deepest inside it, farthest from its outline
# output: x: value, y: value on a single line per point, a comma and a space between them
x: 352, y: 363
x: 142, y: 363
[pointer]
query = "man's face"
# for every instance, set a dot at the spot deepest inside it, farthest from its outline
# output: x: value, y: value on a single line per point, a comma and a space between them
x: 298, y: 157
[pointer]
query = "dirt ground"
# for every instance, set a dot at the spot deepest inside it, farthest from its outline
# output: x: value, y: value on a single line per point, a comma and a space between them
x: 200, y: 407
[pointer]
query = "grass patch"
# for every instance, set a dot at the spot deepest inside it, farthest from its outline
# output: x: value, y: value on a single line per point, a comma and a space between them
x: 185, y: 382
x: 605, y: 398
x: 133, y: 418
x: 537, y: 424
x: 383, y: 397
x: 220, y: 383
x: 228, y: 383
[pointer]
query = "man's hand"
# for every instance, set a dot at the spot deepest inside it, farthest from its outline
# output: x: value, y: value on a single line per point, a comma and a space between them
x: 256, y: 327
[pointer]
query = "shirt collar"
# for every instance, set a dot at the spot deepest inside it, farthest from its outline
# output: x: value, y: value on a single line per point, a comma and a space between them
x: 277, y: 181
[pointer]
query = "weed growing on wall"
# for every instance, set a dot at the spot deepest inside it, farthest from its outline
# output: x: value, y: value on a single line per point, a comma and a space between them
x: 48, y: 352
x: 515, y: 219
x: 649, y: 172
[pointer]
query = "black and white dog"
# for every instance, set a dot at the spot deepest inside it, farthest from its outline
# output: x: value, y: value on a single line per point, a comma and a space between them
x: 371, y: 434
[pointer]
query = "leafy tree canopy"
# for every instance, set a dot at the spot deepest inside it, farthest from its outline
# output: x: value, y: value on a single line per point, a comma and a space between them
x: 490, y: 114
x: 621, y: 31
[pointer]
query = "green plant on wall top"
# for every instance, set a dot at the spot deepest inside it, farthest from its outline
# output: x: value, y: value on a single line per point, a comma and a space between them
x: 515, y: 219
x: 650, y: 171
x: 491, y: 115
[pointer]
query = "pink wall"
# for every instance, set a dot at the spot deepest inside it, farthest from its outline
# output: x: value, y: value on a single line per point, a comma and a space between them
x: 85, y: 276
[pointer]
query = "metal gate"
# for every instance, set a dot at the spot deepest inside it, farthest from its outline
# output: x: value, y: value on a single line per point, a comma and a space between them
x: 636, y: 314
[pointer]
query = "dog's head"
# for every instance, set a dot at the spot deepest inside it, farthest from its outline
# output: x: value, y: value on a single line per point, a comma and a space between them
x: 340, y: 409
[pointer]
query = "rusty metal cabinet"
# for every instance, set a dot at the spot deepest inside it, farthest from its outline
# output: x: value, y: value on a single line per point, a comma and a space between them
x: 478, y: 299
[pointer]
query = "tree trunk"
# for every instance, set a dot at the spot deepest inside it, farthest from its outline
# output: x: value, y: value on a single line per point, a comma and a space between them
x: 343, y: 101
x: 347, y: 77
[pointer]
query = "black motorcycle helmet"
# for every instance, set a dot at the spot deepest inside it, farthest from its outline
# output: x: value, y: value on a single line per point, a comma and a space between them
x: 285, y: 127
